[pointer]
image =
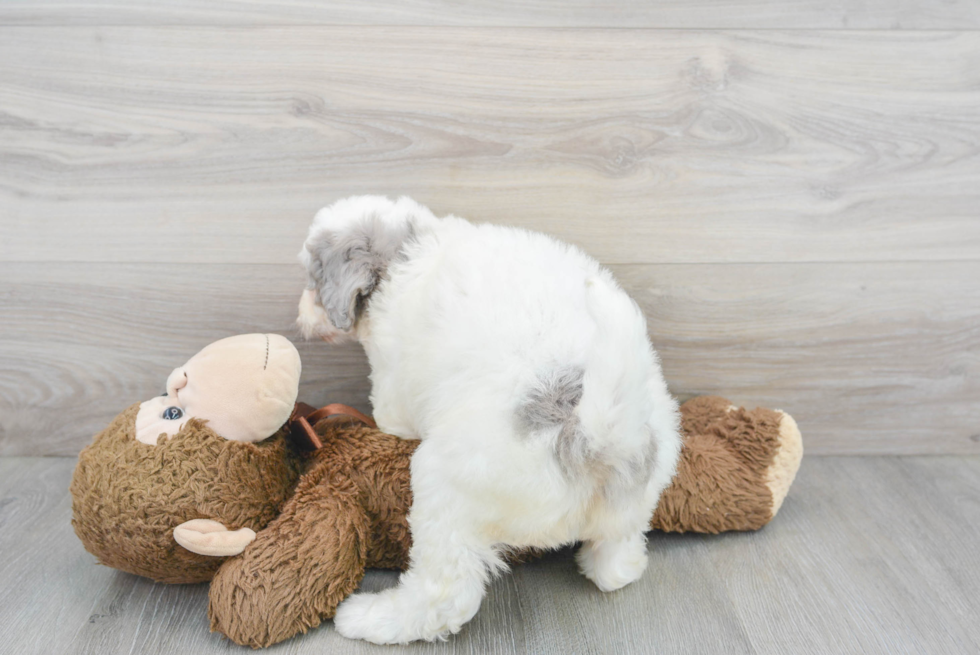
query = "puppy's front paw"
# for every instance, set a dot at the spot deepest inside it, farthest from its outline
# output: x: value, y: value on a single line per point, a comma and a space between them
x: 372, y: 617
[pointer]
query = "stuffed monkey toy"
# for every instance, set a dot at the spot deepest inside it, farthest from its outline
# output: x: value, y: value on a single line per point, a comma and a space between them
x: 285, y: 534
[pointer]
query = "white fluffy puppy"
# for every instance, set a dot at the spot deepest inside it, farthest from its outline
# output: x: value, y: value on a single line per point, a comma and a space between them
x: 528, y: 375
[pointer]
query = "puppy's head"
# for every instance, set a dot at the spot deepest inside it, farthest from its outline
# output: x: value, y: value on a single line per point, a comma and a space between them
x: 346, y: 255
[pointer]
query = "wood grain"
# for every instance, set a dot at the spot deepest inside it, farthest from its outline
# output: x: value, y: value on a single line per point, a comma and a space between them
x: 879, y: 537
x: 871, y: 555
x: 869, y: 358
x: 701, y: 14
x: 204, y: 145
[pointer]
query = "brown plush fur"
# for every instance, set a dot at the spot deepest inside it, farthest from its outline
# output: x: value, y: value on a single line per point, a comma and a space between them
x: 720, y: 480
x: 127, y: 496
x: 349, y: 509
x: 349, y: 512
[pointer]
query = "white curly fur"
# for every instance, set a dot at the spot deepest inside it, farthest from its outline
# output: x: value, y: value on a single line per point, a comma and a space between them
x: 464, y: 326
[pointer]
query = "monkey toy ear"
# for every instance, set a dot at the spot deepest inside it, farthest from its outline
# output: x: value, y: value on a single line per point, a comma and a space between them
x: 300, y: 566
x: 207, y: 537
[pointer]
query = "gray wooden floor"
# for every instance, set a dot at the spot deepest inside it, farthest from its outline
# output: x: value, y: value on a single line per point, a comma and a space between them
x: 868, y: 555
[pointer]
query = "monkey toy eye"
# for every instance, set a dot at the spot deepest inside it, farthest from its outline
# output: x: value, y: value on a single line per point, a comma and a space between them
x: 173, y: 413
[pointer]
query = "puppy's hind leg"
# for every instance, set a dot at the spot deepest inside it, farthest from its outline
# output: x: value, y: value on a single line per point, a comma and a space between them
x: 614, y: 552
x: 446, y: 581
x: 613, y: 564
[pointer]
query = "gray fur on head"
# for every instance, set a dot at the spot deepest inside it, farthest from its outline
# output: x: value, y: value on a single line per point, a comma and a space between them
x: 347, y: 265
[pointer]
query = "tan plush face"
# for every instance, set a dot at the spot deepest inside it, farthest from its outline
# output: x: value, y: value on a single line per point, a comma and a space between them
x: 128, y: 498
x: 243, y: 386
x: 182, y: 480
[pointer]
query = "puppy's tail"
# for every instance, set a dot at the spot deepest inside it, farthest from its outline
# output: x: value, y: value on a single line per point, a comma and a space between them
x: 601, y: 410
x: 620, y: 376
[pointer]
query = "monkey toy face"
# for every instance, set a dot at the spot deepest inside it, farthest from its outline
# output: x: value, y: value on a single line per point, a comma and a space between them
x: 128, y: 498
x: 179, y: 482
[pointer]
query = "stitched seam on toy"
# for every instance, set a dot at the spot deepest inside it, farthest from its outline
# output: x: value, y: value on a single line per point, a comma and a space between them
x: 266, y: 352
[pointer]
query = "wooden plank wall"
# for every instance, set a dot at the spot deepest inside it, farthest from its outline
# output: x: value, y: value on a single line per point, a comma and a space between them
x: 791, y: 191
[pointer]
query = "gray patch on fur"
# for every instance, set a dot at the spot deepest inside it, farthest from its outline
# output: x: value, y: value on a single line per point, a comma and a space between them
x: 345, y: 267
x: 551, y: 403
x: 553, y: 399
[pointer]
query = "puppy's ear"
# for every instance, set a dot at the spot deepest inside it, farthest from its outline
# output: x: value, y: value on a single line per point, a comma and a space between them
x: 346, y: 266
